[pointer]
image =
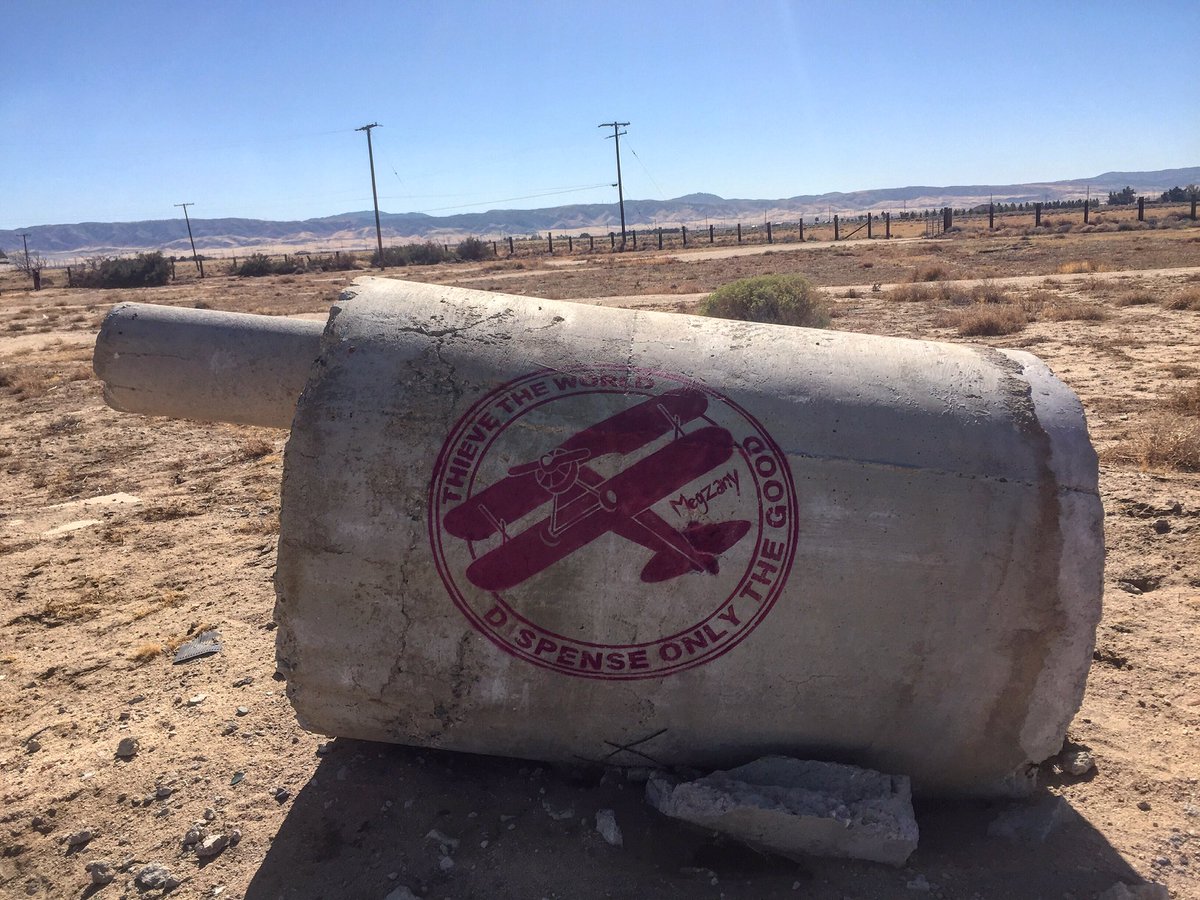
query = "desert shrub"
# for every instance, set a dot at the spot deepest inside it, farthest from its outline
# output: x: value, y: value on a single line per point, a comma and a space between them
x: 930, y: 272
x: 776, y: 299
x: 143, y: 270
x: 988, y: 319
x: 1073, y: 310
x: 336, y: 262
x: 1135, y: 298
x: 1187, y: 299
x: 1186, y: 400
x: 990, y: 292
x: 426, y: 254
x: 1082, y: 267
x: 1167, y: 442
x: 911, y: 293
x: 254, y: 266
x: 472, y: 249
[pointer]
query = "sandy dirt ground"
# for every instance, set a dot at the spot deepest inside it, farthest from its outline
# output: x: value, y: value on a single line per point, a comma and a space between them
x: 122, y: 537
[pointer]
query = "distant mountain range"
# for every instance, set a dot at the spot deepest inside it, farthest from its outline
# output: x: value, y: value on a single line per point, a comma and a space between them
x: 357, y: 229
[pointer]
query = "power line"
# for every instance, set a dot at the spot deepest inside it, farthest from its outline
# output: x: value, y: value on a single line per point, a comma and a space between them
x: 374, y: 192
x: 661, y: 195
x: 573, y: 190
x: 616, y: 136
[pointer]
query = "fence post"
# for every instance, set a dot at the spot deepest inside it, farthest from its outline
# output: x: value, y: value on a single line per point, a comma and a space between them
x: 511, y: 251
x: 1086, y: 204
x: 868, y: 226
x: 1141, y: 209
x: 683, y: 229
x: 634, y: 233
x: 570, y: 244
x: 660, y: 237
x: 835, y: 228
x: 69, y: 282
x: 802, y: 229
x: 200, y: 259
x: 1193, y: 207
x: 711, y: 227
x: 739, y: 232
x: 612, y: 240
x: 1037, y: 215
x: 495, y: 253
x: 172, y: 269
x: 770, y: 239
x: 591, y: 242
x: 947, y: 218
x: 550, y: 242
x: 991, y: 216
x: 887, y: 226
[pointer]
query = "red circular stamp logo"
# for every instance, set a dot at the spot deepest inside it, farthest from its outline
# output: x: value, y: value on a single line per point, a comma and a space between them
x: 612, y: 522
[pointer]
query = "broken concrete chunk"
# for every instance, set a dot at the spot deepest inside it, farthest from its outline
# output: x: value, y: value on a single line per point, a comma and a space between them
x: 799, y: 808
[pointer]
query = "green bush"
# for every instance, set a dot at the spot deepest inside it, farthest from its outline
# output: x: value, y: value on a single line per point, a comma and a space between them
x: 426, y: 254
x: 472, y: 249
x: 776, y: 299
x: 259, y: 264
x: 144, y: 270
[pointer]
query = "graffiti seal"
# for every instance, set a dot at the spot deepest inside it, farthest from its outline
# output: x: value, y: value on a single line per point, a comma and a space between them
x: 611, y: 522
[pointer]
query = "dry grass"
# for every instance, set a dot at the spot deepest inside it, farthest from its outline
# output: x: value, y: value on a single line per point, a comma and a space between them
x: 1179, y: 370
x: 166, y: 513
x: 145, y: 653
x: 260, y: 525
x: 1167, y: 442
x: 1187, y: 299
x: 24, y: 383
x: 254, y: 448
x: 1064, y: 310
x: 1135, y: 298
x: 1186, y: 400
x: 930, y: 272
x: 983, y: 319
x: 1082, y: 266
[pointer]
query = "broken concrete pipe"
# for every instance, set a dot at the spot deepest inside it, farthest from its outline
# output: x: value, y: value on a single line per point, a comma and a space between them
x: 563, y: 532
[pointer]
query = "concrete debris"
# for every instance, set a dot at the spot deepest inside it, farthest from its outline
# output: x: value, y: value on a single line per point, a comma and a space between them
x: 128, y: 748
x: 81, y: 837
x: 1122, y: 891
x: 157, y: 877
x: 558, y: 815
x: 204, y: 644
x: 1077, y: 763
x: 448, y: 844
x: 1028, y: 823
x: 606, y: 825
x: 100, y: 872
x: 212, y: 846
x: 197, y: 700
x: 799, y: 808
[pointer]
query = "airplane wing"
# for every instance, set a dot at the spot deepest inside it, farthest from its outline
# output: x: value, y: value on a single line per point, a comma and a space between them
x: 517, y: 495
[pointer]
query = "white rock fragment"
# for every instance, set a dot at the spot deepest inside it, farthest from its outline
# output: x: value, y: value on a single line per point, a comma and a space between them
x: 1077, y: 763
x: 155, y: 876
x: 799, y: 808
x: 606, y: 825
x: 401, y: 892
x: 197, y: 699
x: 212, y: 846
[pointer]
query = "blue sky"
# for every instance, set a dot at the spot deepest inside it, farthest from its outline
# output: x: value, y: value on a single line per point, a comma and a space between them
x: 115, y: 111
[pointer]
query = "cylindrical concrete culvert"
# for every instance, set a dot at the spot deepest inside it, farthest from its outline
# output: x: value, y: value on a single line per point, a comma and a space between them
x: 565, y: 532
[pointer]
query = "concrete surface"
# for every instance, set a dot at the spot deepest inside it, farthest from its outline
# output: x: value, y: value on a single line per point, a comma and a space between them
x: 764, y: 540
x: 799, y: 808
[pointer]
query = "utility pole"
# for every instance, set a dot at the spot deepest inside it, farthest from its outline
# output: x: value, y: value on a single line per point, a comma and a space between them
x: 26, y: 243
x: 195, y: 255
x: 374, y: 193
x: 616, y: 136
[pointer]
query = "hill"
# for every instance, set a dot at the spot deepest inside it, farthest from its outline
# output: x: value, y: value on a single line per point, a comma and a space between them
x: 357, y: 229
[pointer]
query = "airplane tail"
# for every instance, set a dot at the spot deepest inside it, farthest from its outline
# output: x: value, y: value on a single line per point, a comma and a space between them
x: 709, y: 540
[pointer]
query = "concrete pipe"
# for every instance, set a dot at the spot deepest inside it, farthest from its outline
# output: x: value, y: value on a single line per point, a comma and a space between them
x: 205, y: 365
x: 563, y: 532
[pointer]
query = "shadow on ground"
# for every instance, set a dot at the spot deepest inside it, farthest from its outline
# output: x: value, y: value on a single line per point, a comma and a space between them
x: 375, y: 817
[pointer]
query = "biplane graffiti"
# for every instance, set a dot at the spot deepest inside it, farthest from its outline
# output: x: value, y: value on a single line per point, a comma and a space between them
x: 522, y: 527
x: 584, y: 505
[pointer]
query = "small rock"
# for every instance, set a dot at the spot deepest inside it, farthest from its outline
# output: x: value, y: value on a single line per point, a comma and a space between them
x: 33, y: 745
x: 212, y: 846
x: 242, y: 682
x: 128, y: 748
x: 1162, y: 526
x: 920, y: 883
x: 1122, y: 891
x: 445, y: 864
x: 1028, y: 822
x: 192, y: 837
x: 99, y: 871
x: 235, y: 837
x: 401, y: 893
x: 243, y: 710
x: 281, y: 795
x: 197, y: 699
x: 155, y: 876
x: 606, y: 825
x: 324, y: 748
x: 558, y: 815
x: 81, y: 837
x: 163, y: 792
x: 1077, y: 763
x: 1144, y: 805
x: 209, y: 814
x: 41, y: 825
x: 448, y: 844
